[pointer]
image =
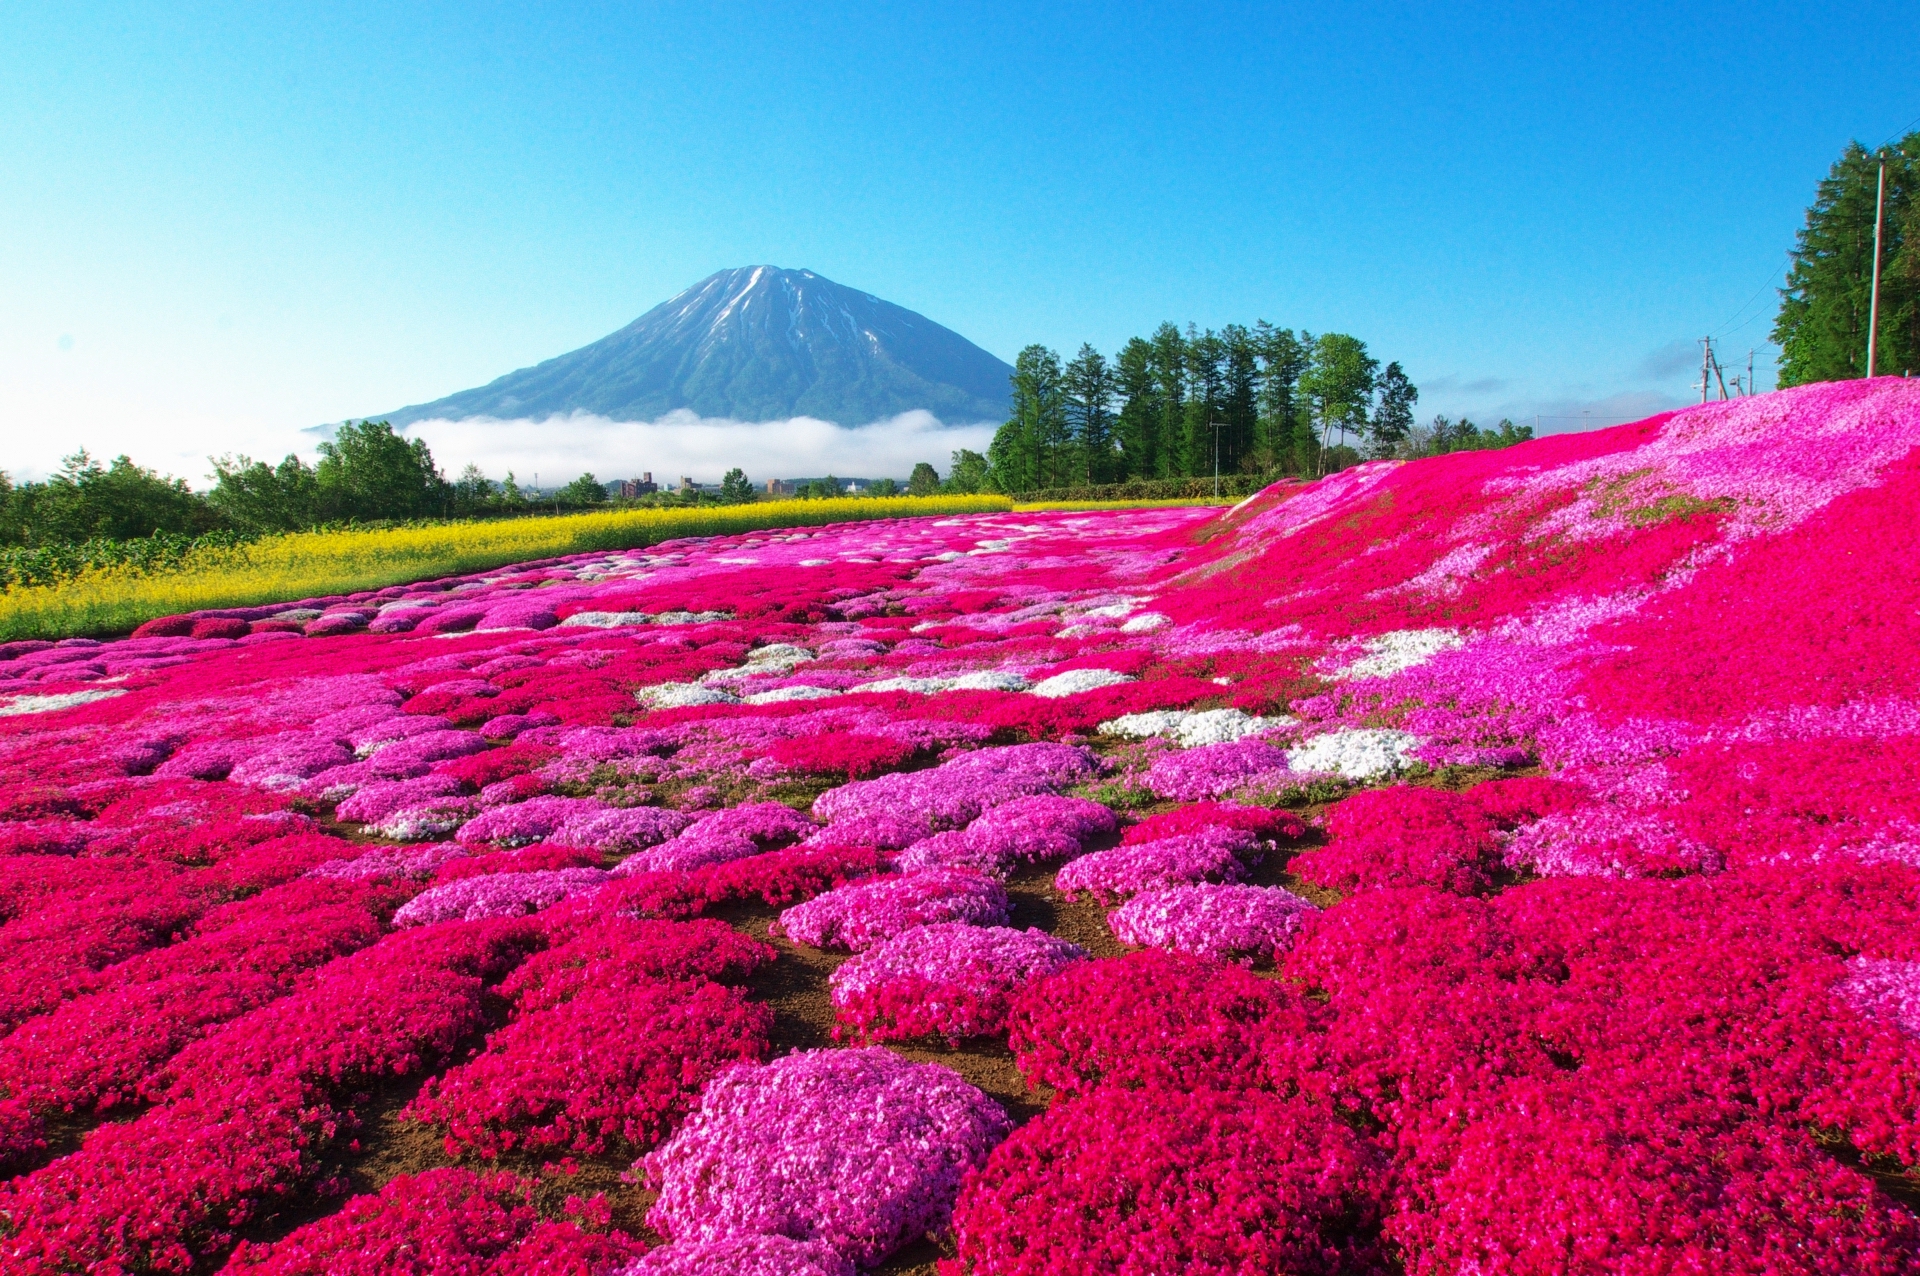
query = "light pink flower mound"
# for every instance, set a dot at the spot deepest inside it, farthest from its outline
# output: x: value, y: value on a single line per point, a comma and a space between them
x: 629, y: 829
x: 374, y: 802
x: 1228, y: 923
x: 906, y: 806
x: 526, y: 822
x: 948, y: 978
x: 1040, y: 828
x: 725, y: 835
x: 1213, y: 770
x: 859, y: 916
x: 1170, y: 861
x: 497, y: 895
x: 856, y: 1148
x: 747, y: 1255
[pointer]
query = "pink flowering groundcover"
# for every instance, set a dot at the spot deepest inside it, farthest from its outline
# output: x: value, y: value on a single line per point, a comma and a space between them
x: 1505, y: 862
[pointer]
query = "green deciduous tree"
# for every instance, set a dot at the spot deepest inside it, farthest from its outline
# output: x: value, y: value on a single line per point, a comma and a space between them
x: 583, y: 491
x: 734, y: 487
x: 967, y: 472
x: 1338, y: 384
x: 1821, y: 327
x: 924, y: 481
x: 366, y: 471
x: 258, y: 497
x: 88, y: 501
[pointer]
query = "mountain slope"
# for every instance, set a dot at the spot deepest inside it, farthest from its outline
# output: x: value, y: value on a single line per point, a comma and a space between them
x: 754, y: 344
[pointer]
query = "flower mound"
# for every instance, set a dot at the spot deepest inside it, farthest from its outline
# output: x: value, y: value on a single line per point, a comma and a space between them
x: 859, y: 916
x: 1161, y: 1020
x: 1141, y: 1182
x: 1170, y: 861
x: 1228, y: 923
x: 947, y: 978
x: 749, y: 1255
x: 855, y: 1148
x: 450, y: 1222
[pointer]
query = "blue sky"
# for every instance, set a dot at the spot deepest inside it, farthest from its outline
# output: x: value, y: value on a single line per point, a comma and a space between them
x: 226, y: 222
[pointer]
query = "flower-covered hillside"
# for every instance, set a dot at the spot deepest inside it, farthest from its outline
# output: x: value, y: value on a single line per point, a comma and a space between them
x: 1507, y: 862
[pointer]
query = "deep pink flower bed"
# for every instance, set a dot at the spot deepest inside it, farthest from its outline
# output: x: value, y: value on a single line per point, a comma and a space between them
x: 1507, y: 863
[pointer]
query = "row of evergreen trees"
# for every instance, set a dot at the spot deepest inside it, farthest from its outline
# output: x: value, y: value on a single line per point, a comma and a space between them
x: 1241, y: 400
x: 1821, y: 327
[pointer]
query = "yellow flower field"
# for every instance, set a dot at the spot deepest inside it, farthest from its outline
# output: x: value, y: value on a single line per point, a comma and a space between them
x: 312, y: 564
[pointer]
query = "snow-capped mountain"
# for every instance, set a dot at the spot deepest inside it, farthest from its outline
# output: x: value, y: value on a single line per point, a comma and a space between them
x: 754, y: 344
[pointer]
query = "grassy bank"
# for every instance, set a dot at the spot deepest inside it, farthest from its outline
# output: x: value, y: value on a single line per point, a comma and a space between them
x: 112, y: 600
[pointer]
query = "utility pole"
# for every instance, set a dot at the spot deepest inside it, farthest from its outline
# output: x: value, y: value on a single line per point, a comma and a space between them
x: 1718, y: 376
x: 1215, y: 427
x: 1706, y: 366
x: 1873, y: 307
x: 1749, y: 370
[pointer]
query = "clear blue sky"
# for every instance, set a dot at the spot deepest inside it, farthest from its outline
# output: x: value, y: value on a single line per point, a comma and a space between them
x: 223, y: 222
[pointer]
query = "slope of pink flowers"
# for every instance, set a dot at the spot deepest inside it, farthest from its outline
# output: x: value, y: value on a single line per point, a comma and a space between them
x: 1568, y: 791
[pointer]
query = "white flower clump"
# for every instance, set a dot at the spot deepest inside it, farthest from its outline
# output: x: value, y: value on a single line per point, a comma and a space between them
x: 1398, y: 651
x: 681, y: 695
x: 47, y: 704
x: 1193, y: 730
x: 979, y: 680
x: 781, y: 694
x: 1074, y: 681
x: 618, y: 619
x: 1146, y: 622
x: 1363, y: 753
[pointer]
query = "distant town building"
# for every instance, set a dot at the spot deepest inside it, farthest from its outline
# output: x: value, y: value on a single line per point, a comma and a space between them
x: 779, y: 487
x: 688, y: 485
x: 642, y: 486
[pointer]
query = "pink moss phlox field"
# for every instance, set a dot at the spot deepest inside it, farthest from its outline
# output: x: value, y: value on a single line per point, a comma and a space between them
x: 947, y: 978
x: 857, y: 917
x: 1162, y: 1020
x: 452, y: 1222
x: 1138, y: 1181
x: 856, y: 1148
x: 1611, y: 738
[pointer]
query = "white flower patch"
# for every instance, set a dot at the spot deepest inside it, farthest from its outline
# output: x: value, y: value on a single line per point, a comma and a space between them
x: 1074, y: 681
x: 1363, y: 753
x: 1396, y: 652
x: 47, y: 704
x: 781, y: 694
x: 988, y: 680
x: 682, y: 695
x: 1221, y: 726
x: 607, y: 619
x: 1191, y: 730
x: 1146, y: 622
x: 1142, y: 725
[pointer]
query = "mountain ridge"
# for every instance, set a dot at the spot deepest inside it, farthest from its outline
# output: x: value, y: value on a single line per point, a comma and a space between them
x: 755, y: 343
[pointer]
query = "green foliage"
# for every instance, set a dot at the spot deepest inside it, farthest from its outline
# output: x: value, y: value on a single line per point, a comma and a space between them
x: 582, y: 492
x: 1029, y: 451
x: 366, y: 471
x: 968, y: 473
x: 1260, y: 400
x: 884, y: 487
x: 88, y: 501
x: 1445, y: 436
x: 734, y: 487
x: 1821, y: 327
x: 924, y: 481
x: 1393, y: 419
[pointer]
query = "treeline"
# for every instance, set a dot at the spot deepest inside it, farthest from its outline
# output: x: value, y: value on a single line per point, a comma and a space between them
x: 1822, y: 324
x: 1259, y: 400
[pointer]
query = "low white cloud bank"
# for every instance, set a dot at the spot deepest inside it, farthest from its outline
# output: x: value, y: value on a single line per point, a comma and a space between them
x: 560, y: 448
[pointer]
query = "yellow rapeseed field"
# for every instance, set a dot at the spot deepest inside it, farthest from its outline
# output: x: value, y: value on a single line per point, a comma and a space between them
x: 315, y: 564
